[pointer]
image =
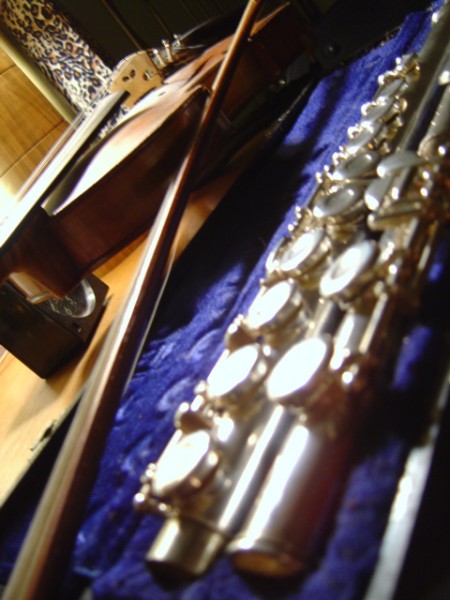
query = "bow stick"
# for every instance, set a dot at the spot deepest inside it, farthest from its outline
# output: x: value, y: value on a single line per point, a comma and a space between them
x: 50, y: 539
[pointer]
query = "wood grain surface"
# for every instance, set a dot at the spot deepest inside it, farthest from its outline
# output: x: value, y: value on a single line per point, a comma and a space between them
x: 32, y: 408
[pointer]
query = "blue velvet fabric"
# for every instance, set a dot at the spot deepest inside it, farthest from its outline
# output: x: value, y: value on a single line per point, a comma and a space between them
x: 214, y: 280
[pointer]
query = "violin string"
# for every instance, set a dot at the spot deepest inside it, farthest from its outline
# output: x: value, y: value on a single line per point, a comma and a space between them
x: 160, y: 20
x: 188, y: 11
x: 201, y: 10
x: 122, y: 24
x: 215, y: 7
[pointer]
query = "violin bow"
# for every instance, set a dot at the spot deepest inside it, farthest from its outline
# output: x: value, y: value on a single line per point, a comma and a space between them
x: 49, y: 542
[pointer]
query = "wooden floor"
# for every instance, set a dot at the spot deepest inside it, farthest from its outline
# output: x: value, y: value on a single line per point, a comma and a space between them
x: 32, y: 408
x: 29, y: 127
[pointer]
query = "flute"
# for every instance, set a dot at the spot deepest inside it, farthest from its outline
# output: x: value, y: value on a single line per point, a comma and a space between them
x: 257, y: 456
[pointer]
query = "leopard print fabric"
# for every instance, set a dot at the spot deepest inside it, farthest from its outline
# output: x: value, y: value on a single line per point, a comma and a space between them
x: 57, y: 49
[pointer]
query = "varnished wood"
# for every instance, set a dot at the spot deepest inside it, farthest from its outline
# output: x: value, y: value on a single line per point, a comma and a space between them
x: 141, y: 155
x: 32, y: 408
x: 5, y: 62
x: 14, y: 178
x: 37, y: 406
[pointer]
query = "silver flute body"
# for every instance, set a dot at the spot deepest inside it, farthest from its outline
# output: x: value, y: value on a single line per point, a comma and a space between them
x: 256, y: 459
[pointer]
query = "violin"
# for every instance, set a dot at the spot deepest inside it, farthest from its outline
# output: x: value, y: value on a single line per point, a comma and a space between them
x: 111, y: 194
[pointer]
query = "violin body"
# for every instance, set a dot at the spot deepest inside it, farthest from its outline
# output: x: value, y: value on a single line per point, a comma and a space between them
x: 113, y: 192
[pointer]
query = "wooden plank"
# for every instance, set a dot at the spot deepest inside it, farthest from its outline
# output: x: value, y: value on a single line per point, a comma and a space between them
x: 25, y: 117
x: 12, y: 181
x: 5, y: 61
